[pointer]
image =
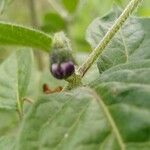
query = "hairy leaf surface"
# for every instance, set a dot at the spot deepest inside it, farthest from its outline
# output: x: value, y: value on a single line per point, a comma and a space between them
x: 14, y: 79
x: 7, y: 143
x: 12, y: 34
x: 112, y: 112
x: 129, y: 44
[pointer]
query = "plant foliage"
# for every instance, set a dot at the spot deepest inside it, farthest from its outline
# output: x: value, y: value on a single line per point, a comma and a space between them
x: 110, y: 113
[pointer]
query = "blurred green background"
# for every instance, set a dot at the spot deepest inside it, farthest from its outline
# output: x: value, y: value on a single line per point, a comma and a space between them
x: 72, y: 16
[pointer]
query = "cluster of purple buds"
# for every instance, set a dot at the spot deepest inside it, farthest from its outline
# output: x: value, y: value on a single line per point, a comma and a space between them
x: 62, y: 70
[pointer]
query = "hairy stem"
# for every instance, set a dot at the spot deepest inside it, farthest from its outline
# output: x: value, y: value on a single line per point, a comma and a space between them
x: 133, y: 4
x: 107, y: 38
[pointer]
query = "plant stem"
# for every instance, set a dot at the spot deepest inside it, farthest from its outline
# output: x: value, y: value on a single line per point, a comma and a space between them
x: 107, y: 38
x: 28, y: 100
x: 19, y: 106
x: 73, y: 81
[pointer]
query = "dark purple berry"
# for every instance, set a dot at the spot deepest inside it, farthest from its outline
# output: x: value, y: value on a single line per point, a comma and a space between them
x: 57, y: 71
x: 62, y: 70
x: 68, y: 68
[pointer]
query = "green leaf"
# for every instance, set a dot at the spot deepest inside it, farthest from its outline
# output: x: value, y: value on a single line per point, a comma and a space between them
x: 107, y: 117
x: 9, y: 120
x: 143, y: 10
x: 70, y: 5
x: 12, y: 34
x: 52, y: 22
x: 14, y: 80
x: 111, y: 113
x: 129, y: 44
x: 125, y: 90
x: 15, y: 75
x: 7, y: 143
x: 61, y: 121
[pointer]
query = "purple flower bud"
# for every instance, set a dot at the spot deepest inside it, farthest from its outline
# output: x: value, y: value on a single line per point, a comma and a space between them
x: 62, y: 70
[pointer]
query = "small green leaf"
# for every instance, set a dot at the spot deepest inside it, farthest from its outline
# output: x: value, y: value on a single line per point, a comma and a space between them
x: 14, y: 80
x: 52, y: 22
x: 12, y: 34
x: 70, y: 5
x: 15, y: 75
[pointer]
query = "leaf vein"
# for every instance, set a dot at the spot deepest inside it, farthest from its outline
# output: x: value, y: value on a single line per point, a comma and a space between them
x: 109, y: 119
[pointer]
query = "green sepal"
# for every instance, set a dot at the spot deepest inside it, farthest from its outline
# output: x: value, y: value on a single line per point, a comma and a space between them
x: 61, y: 49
